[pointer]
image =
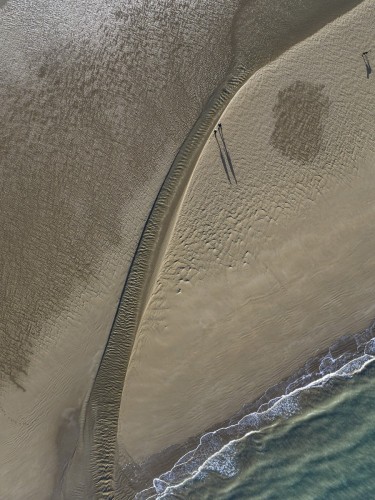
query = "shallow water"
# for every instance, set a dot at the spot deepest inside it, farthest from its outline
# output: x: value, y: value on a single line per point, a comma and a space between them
x: 314, y: 441
x: 327, y: 452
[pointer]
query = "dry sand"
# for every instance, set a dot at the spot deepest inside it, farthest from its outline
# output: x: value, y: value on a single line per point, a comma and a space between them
x: 77, y: 185
x: 259, y: 276
x: 96, y: 453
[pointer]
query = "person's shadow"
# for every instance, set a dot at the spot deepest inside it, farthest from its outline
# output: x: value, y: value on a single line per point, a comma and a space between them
x: 220, y: 129
x: 222, y: 157
x: 367, y: 63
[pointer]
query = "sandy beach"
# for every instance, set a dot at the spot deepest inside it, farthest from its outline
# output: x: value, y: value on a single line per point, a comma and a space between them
x: 77, y: 186
x: 252, y: 276
x: 262, y: 274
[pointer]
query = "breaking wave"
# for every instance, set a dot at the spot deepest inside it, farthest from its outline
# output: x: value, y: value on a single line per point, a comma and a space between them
x: 217, y: 450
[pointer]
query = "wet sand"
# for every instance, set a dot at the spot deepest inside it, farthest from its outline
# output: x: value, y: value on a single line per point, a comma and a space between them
x: 78, y: 184
x: 260, y: 275
x: 96, y: 452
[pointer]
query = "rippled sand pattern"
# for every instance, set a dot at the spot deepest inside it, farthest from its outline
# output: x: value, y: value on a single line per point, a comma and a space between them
x: 96, y: 100
x: 69, y: 164
x: 77, y: 186
x: 260, y: 275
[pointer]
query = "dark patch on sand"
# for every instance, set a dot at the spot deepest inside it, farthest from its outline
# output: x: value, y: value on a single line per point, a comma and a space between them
x: 78, y: 139
x: 299, y: 112
x: 61, y: 197
x: 72, y: 152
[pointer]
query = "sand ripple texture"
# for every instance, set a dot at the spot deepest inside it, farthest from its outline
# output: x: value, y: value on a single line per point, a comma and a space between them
x: 261, y: 274
x: 97, y: 97
x: 83, y: 89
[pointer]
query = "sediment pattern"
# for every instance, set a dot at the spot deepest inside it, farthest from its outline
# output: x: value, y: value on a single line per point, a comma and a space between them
x: 105, y: 396
x: 77, y: 185
x: 83, y: 155
x: 252, y: 279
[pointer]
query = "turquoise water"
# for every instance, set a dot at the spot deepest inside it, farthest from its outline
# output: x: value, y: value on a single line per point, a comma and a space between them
x: 312, y: 437
x: 326, y: 453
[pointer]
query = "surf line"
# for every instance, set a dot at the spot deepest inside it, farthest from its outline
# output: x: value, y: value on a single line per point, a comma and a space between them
x: 190, y: 465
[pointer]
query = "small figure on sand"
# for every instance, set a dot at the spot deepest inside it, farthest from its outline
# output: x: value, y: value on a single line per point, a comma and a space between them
x: 367, y: 63
x: 224, y: 154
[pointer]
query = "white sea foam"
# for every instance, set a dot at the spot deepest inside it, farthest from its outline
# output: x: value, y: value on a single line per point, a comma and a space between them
x: 217, y: 450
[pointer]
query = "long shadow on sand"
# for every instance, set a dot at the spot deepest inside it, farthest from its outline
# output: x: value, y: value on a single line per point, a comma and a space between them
x: 222, y: 157
x: 220, y: 128
x: 367, y: 63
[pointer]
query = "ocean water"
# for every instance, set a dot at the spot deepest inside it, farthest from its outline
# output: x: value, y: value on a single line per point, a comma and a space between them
x: 327, y: 452
x: 315, y: 440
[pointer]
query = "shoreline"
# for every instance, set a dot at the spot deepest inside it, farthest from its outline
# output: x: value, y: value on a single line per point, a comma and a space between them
x: 166, y: 468
x: 107, y: 392
x: 274, y: 410
x: 335, y: 197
